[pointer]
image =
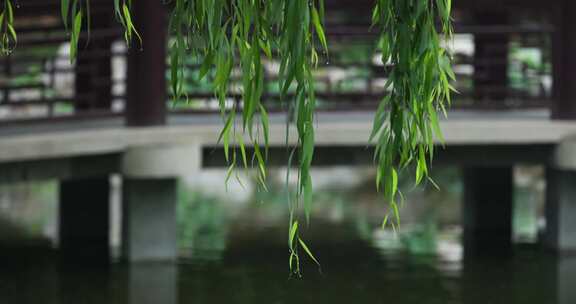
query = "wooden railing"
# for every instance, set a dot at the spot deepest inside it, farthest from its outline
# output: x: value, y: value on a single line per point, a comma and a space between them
x: 38, y: 80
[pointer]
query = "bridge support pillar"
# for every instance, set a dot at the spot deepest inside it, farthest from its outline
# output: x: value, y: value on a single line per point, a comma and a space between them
x: 84, y: 227
x: 487, y: 220
x: 560, y: 234
x: 150, y: 195
x: 149, y: 219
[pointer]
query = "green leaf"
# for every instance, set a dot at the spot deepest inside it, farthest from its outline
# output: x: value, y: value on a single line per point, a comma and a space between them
x: 261, y: 164
x: 385, y: 221
x: 319, y: 29
x: 64, y: 9
x: 242, y: 150
x: 307, y: 250
x: 229, y: 173
x: 396, y: 212
x: 292, y: 233
x: 225, y: 134
x: 394, y: 184
x: 76, y: 28
x: 265, y: 127
x: 206, y: 65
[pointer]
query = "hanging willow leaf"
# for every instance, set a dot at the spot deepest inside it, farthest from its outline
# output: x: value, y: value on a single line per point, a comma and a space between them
x: 64, y: 9
x: 8, y: 38
x: 319, y: 29
x: 75, y: 35
x: 406, y: 122
x: 308, y: 251
x: 122, y: 11
x: 73, y: 14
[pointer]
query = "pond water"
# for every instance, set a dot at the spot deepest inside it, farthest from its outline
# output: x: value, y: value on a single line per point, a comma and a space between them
x: 255, y: 271
x: 239, y: 255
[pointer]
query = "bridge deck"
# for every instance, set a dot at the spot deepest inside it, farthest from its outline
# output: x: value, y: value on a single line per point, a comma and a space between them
x: 107, y: 136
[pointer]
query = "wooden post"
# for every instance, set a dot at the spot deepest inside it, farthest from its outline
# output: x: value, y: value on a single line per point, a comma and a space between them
x: 94, y: 68
x: 146, y: 91
x: 491, y: 58
x: 564, y: 60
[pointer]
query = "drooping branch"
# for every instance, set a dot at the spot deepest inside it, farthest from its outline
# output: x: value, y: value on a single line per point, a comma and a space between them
x: 406, y: 122
x: 240, y: 34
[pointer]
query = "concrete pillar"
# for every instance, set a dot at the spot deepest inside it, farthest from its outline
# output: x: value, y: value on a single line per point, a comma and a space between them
x: 560, y: 234
x: 149, y: 199
x: 487, y: 220
x: 149, y: 224
x: 84, y: 220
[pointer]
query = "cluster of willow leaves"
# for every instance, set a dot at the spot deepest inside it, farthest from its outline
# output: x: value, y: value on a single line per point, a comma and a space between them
x: 240, y: 34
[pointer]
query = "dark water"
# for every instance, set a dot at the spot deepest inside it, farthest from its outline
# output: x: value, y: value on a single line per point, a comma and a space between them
x: 255, y: 271
x: 244, y: 259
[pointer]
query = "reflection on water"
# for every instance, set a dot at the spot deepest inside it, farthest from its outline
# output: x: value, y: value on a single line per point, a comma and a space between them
x: 353, y: 273
x: 239, y: 255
